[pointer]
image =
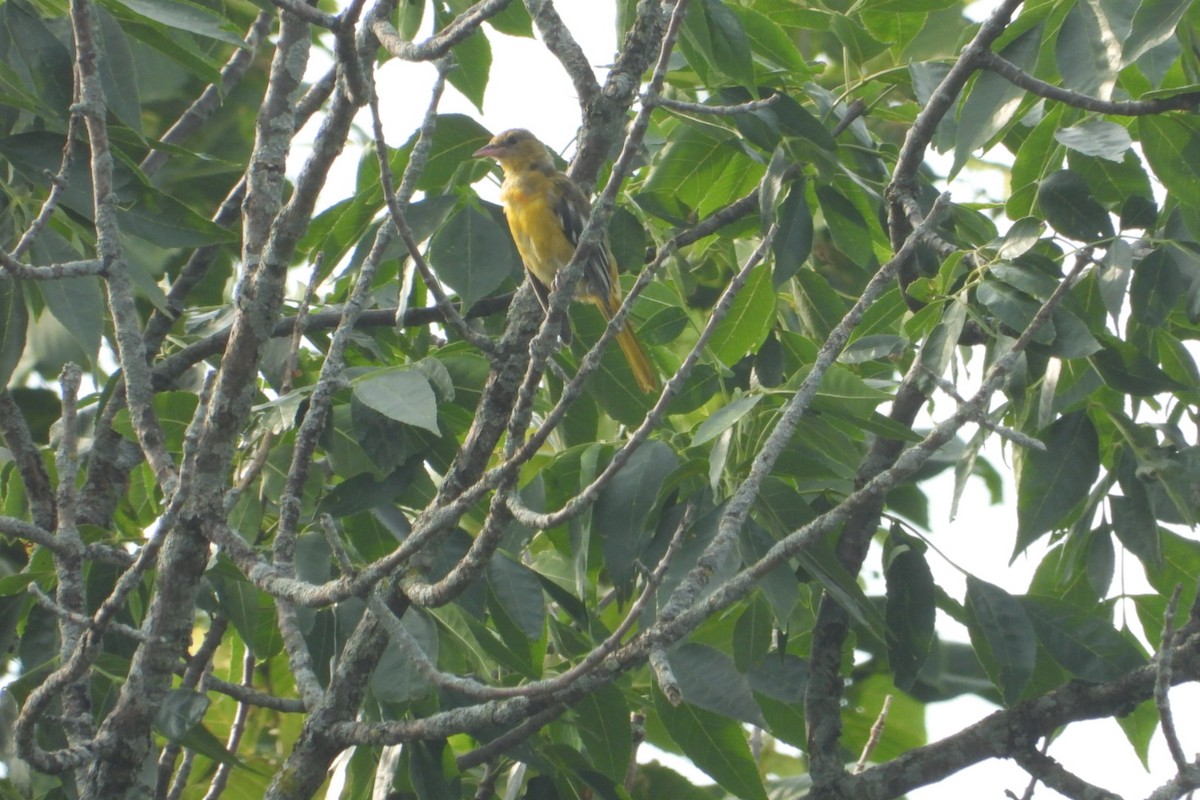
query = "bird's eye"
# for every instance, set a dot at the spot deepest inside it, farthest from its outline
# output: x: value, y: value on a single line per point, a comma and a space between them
x: 511, y: 139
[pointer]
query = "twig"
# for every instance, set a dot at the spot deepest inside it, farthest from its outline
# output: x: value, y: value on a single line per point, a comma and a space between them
x: 715, y: 110
x: 209, y: 100
x: 217, y: 786
x: 875, y: 735
x: 122, y: 304
x: 1162, y: 684
x: 310, y: 14
x: 981, y: 419
x: 665, y: 676
x: 51, y: 272
x: 58, y: 185
x: 1185, y: 101
x: 440, y: 43
x: 562, y: 44
x: 397, y: 202
x: 1053, y: 775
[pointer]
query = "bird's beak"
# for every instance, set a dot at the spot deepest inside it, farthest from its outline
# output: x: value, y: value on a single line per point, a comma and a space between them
x: 489, y: 150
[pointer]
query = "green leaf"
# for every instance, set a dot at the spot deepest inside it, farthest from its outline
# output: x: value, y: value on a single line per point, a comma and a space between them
x: 909, y: 612
x: 620, y: 514
x: 116, y: 67
x: 1066, y: 202
x: 698, y: 171
x: 14, y: 320
x: 724, y: 418
x: 715, y: 744
x: 432, y: 770
x: 992, y: 101
x: 768, y: 40
x: 1080, y: 642
x: 750, y: 319
x: 1003, y: 637
x: 605, y: 730
x: 847, y: 226
x: 179, y: 712
x: 518, y: 590
x: 187, y: 17
x: 79, y: 305
x: 472, y: 67
x: 1157, y: 287
x: 1171, y: 143
x: 1134, y: 523
x: 1153, y: 23
x: 794, y: 240
x: 1139, y: 727
x: 1086, y: 51
x: 401, y: 394
x: 455, y: 138
x: 709, y: 680
x: 1054, y: 481
x: 1014, y: 308
x: 822, y: 563
x: 714, y: 41
x: 471, y: 253
x: 395, y: 679
x: 1127, y: 369
x: 752, y: 634
x: 1098, y: 138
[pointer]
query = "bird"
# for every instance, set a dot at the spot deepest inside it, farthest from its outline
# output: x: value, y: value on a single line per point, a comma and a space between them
x: 546, y: 212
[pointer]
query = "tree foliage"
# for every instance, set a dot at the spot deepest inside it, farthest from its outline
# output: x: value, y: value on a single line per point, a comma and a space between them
x: 299, y: 488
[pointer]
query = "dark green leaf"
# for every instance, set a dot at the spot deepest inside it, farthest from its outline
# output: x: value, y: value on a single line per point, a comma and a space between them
x: 79, y: 305
x: 1127, y: 369
x: 14, y: 320
x: 605, y: 731
x: 396, y: 679
x: 1003, y: 637
x: 992, y: 101
x: 910, y: 611
x: 1084, y: 644
x: 470, y: 253
x: 1054, y: 481
x: 714, y: 41
x: 1171, y: 143
x: 715, y: 744
x: 472, y: 66
x: 518, y: 590
x: 1083, y: 50
x: 179, y: 712
x: 1067, y: 204
x: 752, y: 635
x: 1134, y: 523
x: 708, y: 679
x: 748, y: 322
x: 624, y: 505
x: 794, y: 240
x: 1158, y: 286
x: 847, y: 226
x: 187, y: 17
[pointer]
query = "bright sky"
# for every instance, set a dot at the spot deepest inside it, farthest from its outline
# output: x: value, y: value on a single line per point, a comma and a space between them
x: 529, y: 89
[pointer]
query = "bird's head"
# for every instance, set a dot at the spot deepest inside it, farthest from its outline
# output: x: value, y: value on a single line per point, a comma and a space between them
x: 517, y: 150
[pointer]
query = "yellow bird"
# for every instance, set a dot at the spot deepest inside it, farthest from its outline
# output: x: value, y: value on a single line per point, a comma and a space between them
x: 546, y: 213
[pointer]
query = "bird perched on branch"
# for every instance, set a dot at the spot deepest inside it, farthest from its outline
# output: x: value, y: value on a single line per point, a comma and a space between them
x: 546, y: 213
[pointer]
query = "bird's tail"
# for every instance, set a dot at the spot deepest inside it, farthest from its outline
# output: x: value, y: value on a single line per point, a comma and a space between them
x: 639, y: 362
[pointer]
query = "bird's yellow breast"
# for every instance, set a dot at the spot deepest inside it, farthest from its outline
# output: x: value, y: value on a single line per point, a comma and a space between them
x: 535, y: 225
